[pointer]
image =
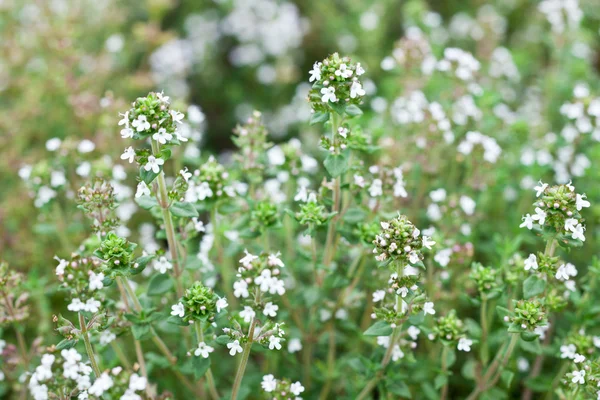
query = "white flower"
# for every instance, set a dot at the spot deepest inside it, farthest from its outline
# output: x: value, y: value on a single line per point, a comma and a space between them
x: 294, y: 345
x: 76, y: 305
x: 578, y: 233
x: 540, y: 216
x: 246, y: 261
x: 92, y: 305
x: 141, y: 123
x: 428, y: 308
x: 203, y: 191
x: 443, y: 257
x: 296, y: 388
x: 579, y: 377
x: 96, y: 281
x: 60, y: 268
x: 378, y: 295
x: 106, y: 337
x: 578, y: 359
x: 270, y: 309
x: 154, y: 164
x: 527, y: 222
x: 203, y: 350
x: 162, y: 265
x: 343, y: 71
x: 467, y: 204
x: 581, y: 202
x: 124, y: 120
x: 315, y: 73
x: 531, y: 262
x: 221, y: 304
x: 413, y: 257
x: 162, y: 136
x: 328, y: 95
x: 198, y: 225
x: 413, y: 332
x: 356, y: 90
x: 359, y: 69
x: 126, y: 133
x: 162, y: 98
x: 376, y: 188
x: 274, y: 261
x: 178, y: 310
x: 177, y: 116
x: 464, y: 344
x: 397, y: 353
x: 403, y: 291
x: 568, y: 351
x: 269, y: 383
x: 247, y: 313
x: 128, y: 154
x: 277, y: 286
x: 240, y: 289
x: 137, y: 382
x: 343, y: 132
x: 540, y: 188
x: 102, y: 384
x: 427, y: 242
x: 142, y: 190
x: 274, y: 343
x: 234, y: 347
x: 570, y: 224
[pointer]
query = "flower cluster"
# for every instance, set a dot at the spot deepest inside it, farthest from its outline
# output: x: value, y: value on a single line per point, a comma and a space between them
x: 451, y: 331
x: 83, y: 279
x: 209, y: 183
x: 400, y: 240
x: 281, y: 389
x: 199, y: 303
x: 557, y: 212
x: 336, y: 85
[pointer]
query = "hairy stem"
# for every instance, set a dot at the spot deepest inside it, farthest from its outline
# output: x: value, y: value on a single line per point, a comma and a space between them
x: 209, y: 375
x: 444, y: 392
x: 484, y: 332
x: 242, y: 367
x: 88, y: 346
x: 163, y: 201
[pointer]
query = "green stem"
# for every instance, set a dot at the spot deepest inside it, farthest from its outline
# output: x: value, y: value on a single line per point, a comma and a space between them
x: 209, y: 375
x: 484, y: 333
x: 88, y: 346
x: 120, y: 355
x: 226, y: 272
x: 242, y: 367
x: 163, y: 200
x: 444, y: 392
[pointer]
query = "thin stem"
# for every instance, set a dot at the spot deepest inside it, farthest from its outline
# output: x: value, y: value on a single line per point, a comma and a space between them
x: 444, y: 393
x: 242, y: 367
x: 209, y: 375
x: 120, y: 355
x: 88, y: 346
x: 163, y: 201
x: 330, y: 360
x: 484, y: 332
x: 226, y: 272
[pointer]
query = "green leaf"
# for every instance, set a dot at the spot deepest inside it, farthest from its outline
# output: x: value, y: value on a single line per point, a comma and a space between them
x: 147, y: 176
x: 507, y: 377
x: 141, y: 262
x: 336, y: 164
x: 181, y: 209
x: 533, y: 286
x: 353, y: 110
x: 160, y: 284
x: 66, y: 344
x: 339, y: 107
x: 399, y: 388
x: 141, y: 332
x: 354, y: 215
x: 379, y: 328
x: 440, y: 381
x: 146, y: 202
x: 175, y: 320
x: 201, y: 365
x: 319, y: 117
x: 529, y: 336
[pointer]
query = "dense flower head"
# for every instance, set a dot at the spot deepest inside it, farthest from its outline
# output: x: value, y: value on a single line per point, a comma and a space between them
x: 116, y: 252
x: 529, y: 315
x: 97, y: 199
x: 399, y: 240
x: 81, y: 276
x: 449, y: 328
x: 199, y: 303
x: 557, y: 211
x: 486, y: 279
x: 264, y: 215
x: 251, y: 140
x: 152, y: 116
x: 210, y: 182
x: 336, y: 84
